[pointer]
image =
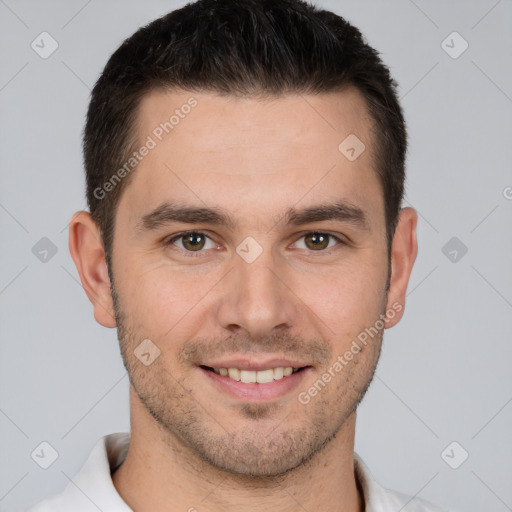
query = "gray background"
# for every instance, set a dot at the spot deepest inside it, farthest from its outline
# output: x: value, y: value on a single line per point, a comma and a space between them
x: 445, y: 372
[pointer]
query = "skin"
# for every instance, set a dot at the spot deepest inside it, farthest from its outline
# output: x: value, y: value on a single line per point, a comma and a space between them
x: 193, y: 446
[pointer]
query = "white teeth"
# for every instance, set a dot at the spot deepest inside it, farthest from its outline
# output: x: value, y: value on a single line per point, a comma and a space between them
x: 234, y: 373
x: 278, y: 373
x: 247, y: 376
x: 265, y: 376
x: 252, y: 376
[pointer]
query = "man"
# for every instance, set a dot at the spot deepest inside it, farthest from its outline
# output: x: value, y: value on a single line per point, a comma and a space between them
x: 245, y: 170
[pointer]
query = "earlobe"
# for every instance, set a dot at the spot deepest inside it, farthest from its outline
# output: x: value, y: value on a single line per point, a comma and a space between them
x: 403, y: 255
x: 86, y: 248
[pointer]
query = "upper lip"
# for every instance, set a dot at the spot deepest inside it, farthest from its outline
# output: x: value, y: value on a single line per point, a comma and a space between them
x: 254, y: 365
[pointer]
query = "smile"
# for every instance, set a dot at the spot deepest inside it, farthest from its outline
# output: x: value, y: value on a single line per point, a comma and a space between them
x: 252, y: 376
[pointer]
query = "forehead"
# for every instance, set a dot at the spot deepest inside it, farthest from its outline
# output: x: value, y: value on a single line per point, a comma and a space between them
x: 253, y: 153
x: 304, y: 119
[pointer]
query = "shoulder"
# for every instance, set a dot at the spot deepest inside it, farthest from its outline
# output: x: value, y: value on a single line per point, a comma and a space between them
x: 92, y: 488
x: 407, y: 503
x: 379, y: 499
x: 60, y: 502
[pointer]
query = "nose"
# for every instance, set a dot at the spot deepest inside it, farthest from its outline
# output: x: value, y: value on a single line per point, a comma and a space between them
x: 257, y: 298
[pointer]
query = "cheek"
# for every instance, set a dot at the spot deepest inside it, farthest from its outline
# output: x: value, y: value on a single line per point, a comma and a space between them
x: 346, y: 297
x: 160, y: 299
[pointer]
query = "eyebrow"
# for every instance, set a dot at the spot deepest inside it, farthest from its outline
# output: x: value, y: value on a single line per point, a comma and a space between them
x: 168, y: 212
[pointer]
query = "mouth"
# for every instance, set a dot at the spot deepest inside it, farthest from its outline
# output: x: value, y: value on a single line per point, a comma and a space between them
x: 255, y: 384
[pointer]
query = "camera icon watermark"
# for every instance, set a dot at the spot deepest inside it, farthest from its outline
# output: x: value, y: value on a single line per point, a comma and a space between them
x: 146, y: 352
x: 44, y: 45
x: 352, y: 147
x: 454, y: 455
x: 44, y: 250
x: 249, y: 249
x: 454, y: 45
x: 454, y: 249
x: 44, y: 455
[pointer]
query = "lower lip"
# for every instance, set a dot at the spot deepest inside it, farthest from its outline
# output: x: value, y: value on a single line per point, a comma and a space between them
x: 253, y: 391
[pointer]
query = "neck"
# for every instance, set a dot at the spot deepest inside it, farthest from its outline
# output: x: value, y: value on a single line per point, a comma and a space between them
x: 159, y: 474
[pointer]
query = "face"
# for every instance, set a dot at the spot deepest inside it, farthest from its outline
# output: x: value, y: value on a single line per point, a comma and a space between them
x: 284, y: 267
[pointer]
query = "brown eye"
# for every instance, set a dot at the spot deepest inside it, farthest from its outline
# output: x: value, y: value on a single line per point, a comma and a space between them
x: 192, y: 241
x: 317, y: 241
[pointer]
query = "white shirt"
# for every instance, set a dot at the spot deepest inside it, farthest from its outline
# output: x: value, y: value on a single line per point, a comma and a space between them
x: 92, y: 488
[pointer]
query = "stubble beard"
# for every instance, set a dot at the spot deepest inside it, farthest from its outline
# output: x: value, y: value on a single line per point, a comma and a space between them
x: 263, y: 449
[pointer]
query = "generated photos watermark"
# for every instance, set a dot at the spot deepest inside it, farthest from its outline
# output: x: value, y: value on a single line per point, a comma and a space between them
x: 152, y: 141
x: 369, y: 333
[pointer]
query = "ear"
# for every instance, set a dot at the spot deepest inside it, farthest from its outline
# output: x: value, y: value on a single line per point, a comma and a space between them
x: 86, y: 248
x: 403, y: 255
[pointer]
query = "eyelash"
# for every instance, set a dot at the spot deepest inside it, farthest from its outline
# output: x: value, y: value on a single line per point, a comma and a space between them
x: 195, y: 254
